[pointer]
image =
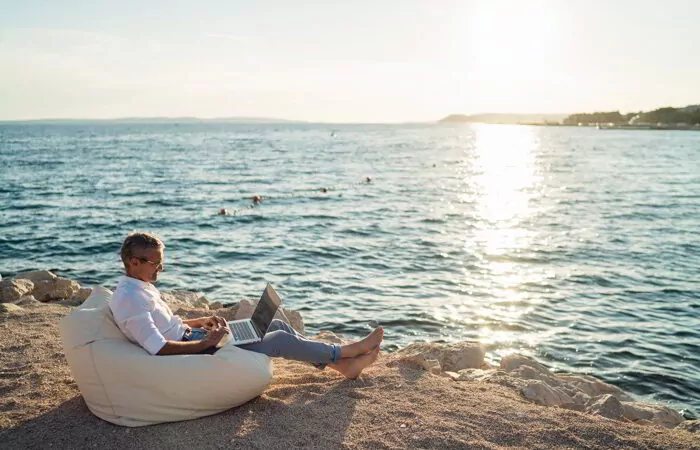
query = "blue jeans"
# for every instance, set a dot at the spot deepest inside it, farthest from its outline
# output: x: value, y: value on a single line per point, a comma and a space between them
x: 283, y: 341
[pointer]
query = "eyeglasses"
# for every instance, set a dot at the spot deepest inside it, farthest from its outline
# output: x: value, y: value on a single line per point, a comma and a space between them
x: 157, y: 264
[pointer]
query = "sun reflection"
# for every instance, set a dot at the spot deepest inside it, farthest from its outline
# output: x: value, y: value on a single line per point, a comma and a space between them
x: 503, y: 181
x: 505, y: 171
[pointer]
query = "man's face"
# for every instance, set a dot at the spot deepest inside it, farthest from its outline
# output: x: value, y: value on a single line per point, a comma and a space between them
x: 146, y: 265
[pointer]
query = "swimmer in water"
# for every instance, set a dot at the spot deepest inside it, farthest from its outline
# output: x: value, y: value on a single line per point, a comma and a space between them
x: 257, y: 199
x: 324, y: 190
x: 224, y: 212
x: 368, y: 179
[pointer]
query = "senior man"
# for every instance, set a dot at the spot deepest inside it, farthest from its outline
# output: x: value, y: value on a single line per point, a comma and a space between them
x: 147, y: 320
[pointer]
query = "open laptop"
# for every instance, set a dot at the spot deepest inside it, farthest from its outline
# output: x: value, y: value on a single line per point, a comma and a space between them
x: 247, y: 331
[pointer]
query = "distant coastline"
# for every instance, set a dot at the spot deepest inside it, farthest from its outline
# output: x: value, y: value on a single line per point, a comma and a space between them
x: 667, y: 118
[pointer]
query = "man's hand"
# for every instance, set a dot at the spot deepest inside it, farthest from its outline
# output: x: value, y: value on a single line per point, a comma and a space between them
x: 213, y: 322
x: 215, y: 335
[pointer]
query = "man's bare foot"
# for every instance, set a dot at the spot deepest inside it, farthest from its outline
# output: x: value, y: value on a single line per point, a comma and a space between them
x: 352, y: 367
x: 364, y: 345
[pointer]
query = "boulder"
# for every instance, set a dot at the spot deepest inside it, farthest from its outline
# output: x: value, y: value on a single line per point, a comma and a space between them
x: 13, y: 290
x: 651, y: 412
x: 247, y: 307
x: 329, y: 337
x: 28, y: 300
x: 9, y: 308
x: 181, y: 298
x: 451, y: 357
x: 216, y: 305
x: 593, y: 387
x: 36, y: 276
x: 420, y: 360
x: 228, y: 313
x: 55, y: 289
x: 691, y: 426
x: 202, y: 302
x: 541, y: 393
x: 509, y: 363
x: 82, y: 294
x: 606, y: 405
x: 78, y: 298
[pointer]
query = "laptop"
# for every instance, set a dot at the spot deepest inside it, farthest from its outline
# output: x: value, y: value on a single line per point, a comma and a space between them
x: 247, y: 331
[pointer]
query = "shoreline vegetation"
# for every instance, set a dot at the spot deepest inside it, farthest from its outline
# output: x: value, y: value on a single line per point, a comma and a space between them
x: 426, y: 395
x: 667, y: 118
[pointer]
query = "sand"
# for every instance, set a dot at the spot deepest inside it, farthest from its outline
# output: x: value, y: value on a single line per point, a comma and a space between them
x: 388, y: 407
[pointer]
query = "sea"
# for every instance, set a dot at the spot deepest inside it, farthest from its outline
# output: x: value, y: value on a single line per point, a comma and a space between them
x: 578, y: 247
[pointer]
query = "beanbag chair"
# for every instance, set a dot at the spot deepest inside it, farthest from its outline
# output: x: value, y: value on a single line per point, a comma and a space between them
x: 123, y: 384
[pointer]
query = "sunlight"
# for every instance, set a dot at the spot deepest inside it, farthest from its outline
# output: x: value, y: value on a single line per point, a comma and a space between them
x: 503, y: 181
x: 510, y: 39
x: 505, y: 173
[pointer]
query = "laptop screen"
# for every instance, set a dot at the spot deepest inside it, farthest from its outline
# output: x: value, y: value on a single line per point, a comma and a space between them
x: 266, y: 309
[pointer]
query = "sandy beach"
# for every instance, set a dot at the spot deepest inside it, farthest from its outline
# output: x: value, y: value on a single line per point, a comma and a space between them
x: 397, y: 403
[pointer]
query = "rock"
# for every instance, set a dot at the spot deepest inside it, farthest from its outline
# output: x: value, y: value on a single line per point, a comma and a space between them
x: 12, y: 290
x: 512, y: 362
x: 37, y: 275
x: 78, y: 298
x: 691, y: 426
x: 82, y: 294
x: 543, y: 394
x: 28, y: 300
x: 453, y: 375
x: 216, y: 305
x: 654, y: 413
x: 584, y: 386
x: 9, y: 308
x: 180, y: 298
x: 329, y: 337
x: 593, y: 387
x: 202, y: 302
x: 636, y: 412
x: 55, y: 289
x: 245, y: 309
x: 474, y: 374
x: 606, y: 405
x: 293, y: 318
x: 420, y: 360
x: 228, y: 313
x: 451, y: 357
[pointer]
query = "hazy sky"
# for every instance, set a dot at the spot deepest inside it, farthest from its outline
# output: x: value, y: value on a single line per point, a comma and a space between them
x: 345, y: 61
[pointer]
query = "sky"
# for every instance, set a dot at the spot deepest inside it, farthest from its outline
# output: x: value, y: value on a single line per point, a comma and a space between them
x: 340, y: 61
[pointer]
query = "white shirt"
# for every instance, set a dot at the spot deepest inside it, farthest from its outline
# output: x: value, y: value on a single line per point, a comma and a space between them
x: 143, y: 316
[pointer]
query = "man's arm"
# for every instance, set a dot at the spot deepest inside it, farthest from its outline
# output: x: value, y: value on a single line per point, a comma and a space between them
x: 183, y: 347
x: 205, y: 322
x: 193, y: 347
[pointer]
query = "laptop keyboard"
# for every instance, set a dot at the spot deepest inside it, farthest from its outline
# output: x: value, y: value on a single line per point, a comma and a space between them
x: 241, y: 331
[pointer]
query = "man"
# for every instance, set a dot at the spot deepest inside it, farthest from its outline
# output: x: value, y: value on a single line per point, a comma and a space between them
x: 147, y: 320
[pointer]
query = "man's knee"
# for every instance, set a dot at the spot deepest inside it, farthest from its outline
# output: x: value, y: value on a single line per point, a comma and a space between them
x: 278, y: 337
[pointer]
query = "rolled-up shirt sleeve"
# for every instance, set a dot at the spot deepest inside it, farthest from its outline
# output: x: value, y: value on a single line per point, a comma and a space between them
x: 144, y: 330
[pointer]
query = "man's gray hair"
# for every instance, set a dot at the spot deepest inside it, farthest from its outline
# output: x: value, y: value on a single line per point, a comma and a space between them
x: 136, y: 242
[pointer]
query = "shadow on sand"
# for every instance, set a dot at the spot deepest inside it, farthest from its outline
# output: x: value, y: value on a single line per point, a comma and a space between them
x: 315, y: 414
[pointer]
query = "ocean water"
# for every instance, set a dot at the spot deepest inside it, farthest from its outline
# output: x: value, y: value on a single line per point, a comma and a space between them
x: 579, y: 247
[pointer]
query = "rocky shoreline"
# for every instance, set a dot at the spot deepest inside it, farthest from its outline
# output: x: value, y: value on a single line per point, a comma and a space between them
x: 42, y: 298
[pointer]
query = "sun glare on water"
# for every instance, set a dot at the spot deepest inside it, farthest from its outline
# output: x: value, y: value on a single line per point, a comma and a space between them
x: 502, y: 181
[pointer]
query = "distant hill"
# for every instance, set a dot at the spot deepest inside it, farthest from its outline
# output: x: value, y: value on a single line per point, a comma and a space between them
x: 503, y: 118
x: 690, y: 109
x: 152, y: 120
x: 689, y: 115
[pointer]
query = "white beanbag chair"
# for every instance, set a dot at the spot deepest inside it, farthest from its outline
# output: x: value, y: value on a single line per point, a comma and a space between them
x: 123, y: 384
